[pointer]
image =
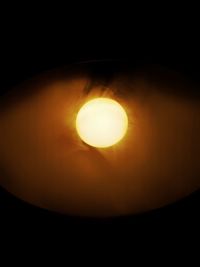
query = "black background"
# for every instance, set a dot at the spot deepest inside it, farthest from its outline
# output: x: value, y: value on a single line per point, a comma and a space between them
x: 36, y: 48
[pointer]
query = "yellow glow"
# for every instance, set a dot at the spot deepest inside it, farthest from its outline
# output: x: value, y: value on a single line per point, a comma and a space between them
x: 101, y: 122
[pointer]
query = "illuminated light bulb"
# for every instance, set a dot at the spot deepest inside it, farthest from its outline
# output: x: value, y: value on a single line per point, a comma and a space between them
x: 101, y: 122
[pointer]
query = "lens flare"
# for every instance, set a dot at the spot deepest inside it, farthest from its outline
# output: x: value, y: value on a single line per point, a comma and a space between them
x: 101, y: 122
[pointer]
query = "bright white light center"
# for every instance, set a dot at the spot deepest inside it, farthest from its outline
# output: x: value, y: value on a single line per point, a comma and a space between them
x: 101, y: 122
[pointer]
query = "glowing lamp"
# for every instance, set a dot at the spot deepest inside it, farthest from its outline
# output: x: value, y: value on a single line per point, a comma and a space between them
x: 101, y: 122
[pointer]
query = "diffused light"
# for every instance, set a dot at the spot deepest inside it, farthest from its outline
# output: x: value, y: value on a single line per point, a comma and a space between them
x: 101, y: 122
